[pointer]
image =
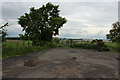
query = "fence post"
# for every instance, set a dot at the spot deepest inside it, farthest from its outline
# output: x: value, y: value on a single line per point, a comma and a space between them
x: 67, y: 43
x: 71, y: 42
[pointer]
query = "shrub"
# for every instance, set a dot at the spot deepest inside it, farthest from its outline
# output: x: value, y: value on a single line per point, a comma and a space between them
x: 89, y: 45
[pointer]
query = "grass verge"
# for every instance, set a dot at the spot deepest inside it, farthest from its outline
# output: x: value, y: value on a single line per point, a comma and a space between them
x: 113, y: 47
x: 18, y: 50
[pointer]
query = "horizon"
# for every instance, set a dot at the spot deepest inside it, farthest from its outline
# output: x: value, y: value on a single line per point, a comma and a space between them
x: 63, y: 38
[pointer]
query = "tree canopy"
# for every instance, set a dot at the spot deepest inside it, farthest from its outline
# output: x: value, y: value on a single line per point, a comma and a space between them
x: 41, y: 24
x: 114, y: 35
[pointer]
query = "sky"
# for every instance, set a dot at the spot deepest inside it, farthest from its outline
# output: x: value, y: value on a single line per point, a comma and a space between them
x: 87, y: 20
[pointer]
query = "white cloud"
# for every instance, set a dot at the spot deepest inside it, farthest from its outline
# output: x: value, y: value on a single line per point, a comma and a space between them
x: 85, y: 19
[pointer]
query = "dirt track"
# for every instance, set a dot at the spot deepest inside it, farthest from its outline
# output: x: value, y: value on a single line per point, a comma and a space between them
x: 62, y: 63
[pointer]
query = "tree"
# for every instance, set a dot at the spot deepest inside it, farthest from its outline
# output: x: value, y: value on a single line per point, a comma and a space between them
x: 41, y: 24
x: 114, y: 35
x: 24, y: 37
x: 3, y: 32
x: 21, y: 36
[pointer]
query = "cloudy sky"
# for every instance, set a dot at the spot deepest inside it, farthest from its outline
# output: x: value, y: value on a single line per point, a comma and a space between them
x: 85, y: 19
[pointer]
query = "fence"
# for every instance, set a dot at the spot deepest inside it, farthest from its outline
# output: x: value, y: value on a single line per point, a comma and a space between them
x: 17, y: 43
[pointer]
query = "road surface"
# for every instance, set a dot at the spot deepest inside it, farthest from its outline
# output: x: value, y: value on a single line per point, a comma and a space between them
x: 62, y: 63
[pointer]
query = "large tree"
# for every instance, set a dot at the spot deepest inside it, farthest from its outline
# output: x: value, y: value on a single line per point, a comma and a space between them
x: 41, y: 24
x: 114, y: 35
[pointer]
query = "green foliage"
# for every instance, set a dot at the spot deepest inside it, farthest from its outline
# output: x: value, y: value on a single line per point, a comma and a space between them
x: 17, y: 48
x: 114, y: 35
x: 94, y: 44
x: 24, y: 37
x: 56, y: 40
x: 3, y: 32
x: 112, y: 46
x: 85, y: 45
x: 99, y: 43
x: 21, y: 36
x: 41, y: 24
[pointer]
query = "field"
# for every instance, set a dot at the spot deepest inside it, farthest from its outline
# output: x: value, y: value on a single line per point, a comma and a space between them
x: 113, y: 47
x: 17, y: 48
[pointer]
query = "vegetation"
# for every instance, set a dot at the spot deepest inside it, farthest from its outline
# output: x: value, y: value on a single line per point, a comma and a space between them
x: 114, y: 35
x: 94, y: 44
x: 41, y: 24
x: 85, y: 45
x: 113, y: 47
x: 3, y: 32
x: 99, y: 44
x: 18, y: 48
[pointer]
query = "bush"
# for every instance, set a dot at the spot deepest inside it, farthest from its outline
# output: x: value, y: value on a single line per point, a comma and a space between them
x: 113, y: 46
x: 89, y: 45
x: 50, y: 44
x: 85, y: 45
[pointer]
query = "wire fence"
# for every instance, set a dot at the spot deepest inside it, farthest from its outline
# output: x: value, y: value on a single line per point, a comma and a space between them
x: 17, y: 43
x: 20, y: 43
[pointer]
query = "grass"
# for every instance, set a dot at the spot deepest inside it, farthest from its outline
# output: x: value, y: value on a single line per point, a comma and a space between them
x: 112, y: 46
x: 18, y: 48
x: 84, y: 45
x: 87, y: 45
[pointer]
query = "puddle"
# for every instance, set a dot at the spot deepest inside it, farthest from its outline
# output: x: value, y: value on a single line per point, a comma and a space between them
x: 29, y: 64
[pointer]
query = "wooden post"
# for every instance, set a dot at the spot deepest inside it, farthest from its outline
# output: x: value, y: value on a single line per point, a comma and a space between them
x: 67, y: 42
x: 71, y: 42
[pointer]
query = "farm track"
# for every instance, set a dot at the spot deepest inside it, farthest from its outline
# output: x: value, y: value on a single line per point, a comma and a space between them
x: 62, y: 63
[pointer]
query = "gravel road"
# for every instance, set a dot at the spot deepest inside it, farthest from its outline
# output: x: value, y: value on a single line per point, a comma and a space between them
x: 62, y: 63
